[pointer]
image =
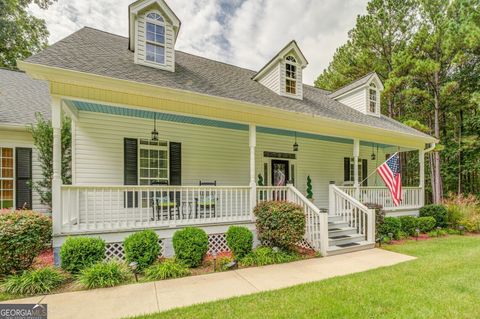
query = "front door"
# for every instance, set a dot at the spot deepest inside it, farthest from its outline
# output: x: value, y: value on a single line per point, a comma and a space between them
x: 279, y: 174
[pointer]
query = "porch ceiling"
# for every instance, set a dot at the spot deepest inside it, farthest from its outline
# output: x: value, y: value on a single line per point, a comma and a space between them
x: 147, y: 114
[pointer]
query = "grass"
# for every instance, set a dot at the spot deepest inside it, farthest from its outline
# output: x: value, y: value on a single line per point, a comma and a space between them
x: 441, y: 283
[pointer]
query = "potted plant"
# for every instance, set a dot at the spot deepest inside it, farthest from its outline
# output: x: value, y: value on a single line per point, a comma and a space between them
x: 309, y: 188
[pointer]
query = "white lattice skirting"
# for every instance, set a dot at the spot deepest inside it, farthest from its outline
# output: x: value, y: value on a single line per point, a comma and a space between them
x: 116, y: 251
x: 217, y: 243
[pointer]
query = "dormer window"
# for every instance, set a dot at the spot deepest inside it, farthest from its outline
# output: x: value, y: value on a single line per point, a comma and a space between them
x: 290, y: 75
x: 372, y: 98
x: 155, y: 38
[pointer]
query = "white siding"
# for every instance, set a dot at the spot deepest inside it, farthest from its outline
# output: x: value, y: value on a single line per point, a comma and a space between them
x: 14, y: 138
x: 208, y: 153
x: 169, y: 43
x: 272, y: 79
x: 356, y: 100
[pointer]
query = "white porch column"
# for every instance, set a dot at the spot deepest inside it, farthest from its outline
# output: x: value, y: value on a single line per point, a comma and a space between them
x: 57, y: 166
x: 252, y: 134
x: 356, y: 154
x: 421, y: 163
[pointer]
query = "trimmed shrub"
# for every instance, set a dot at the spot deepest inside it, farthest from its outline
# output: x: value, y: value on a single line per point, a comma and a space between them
x: 167, y: 269
x: 280, y: 224
x: 23, y: 235
x: 32, y: 282
x: 104, y: 274
x: 426, y: 224
x: 439, y: 212
x: 391, y: 225
x: 80, y: 252
x: 471, y: 224
x: 142, y: 247
x: 379, y: 217
x: 266, y: 256
x: 190, y: 245
x: 408, y: 224
x: 239, y: 240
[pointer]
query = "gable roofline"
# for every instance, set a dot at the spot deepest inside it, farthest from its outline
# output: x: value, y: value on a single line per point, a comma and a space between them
x: 356, y: 84
x: 139, y: 5
x: 292, y: 45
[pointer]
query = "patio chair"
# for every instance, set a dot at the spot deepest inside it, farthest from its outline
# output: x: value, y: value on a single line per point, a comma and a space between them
x: 165, y: 203
x: 207, y: 200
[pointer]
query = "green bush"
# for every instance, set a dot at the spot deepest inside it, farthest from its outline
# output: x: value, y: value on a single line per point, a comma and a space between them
x: 391, y: 225
x: 239, y: 240
x: 142, y: 247
x: 379, y: 217
x: 23, y: 235
x: 104, y: 274
x: 280, y: 224
x: 408, y: 224
x: 80, y: 252
x: 266, y: 256
x: 32, y: 282
x: 166, y: 269
x: 190, y: 245
x: 437, y: 233
x: 439, y: 212
x: 426, y: 224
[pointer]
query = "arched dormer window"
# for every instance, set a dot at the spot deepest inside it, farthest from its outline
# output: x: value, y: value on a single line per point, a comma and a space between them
x: 155, y: 38
x: 372, y: 98
x: 291, y: 75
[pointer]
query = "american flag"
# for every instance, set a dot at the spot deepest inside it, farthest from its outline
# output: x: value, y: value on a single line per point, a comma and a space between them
x: 390, y: 173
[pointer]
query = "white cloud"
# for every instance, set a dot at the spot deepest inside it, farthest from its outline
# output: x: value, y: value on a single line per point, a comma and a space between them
x: 242, y: 32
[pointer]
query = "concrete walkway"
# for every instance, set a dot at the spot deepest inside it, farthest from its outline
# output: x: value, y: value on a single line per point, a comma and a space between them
x: 137, y: 299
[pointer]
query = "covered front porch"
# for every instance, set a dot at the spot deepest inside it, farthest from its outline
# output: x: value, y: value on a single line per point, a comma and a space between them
x: 208, y: 171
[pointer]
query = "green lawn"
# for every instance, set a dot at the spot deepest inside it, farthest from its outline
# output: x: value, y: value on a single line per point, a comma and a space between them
x: 444, y: 282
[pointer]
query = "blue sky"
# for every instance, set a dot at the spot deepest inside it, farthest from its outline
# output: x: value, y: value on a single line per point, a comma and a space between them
x: 246, y: 33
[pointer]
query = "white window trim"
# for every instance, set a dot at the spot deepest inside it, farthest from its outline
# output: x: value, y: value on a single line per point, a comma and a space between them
x: 159, y: 23
x: 152, y: 147
x: 295, y: 64
x: 13, y: 179
x: 377, y: 96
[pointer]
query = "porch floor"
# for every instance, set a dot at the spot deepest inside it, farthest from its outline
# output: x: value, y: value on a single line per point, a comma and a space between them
x: 138, y: 299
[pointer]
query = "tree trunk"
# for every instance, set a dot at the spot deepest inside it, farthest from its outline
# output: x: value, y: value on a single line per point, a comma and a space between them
x: 437, y: 190
x: 460, y: 129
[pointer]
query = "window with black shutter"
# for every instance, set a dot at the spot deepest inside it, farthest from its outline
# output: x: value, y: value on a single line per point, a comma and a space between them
x: 175, y: 163
x: 130, y: 170
x: 23, y: 177
x: 7, y: 181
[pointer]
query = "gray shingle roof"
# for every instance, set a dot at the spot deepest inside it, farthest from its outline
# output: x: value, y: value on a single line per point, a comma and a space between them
x: 21, y: 97
x: 355, y: 84
x: 101, y: 53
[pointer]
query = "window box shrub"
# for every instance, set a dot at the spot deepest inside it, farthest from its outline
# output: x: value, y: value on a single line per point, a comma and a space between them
x: 190, y: 245
x: 408, y: 225
x: 439, y: 212
x: 280, y: 224
x: 168, y: 268
x: 104, y: 274
x: 391, y: 225
x: 33, y: 282
x: 142, y: 247
x: 239, y: 240
x: 426, y: 224
x: 80, y: 252
x: 23, y: 235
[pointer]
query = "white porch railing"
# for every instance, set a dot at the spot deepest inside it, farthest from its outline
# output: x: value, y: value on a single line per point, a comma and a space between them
x: 316, y: 223
x: 353, y: 212
x: 99, y: 208
x: 411, y: 196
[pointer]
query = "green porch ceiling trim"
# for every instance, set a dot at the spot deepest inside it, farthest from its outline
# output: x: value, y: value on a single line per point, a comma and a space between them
x: 123, y: 111
x: 116, y: 110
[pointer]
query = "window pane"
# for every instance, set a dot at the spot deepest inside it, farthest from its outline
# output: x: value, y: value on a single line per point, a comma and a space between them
x: 143, y: 163
x: 163, y: 164
x: 150, y: 27
x: 162, y: 174
x: 154, y: 173
x: 144, y: 173
x: 143, y: 153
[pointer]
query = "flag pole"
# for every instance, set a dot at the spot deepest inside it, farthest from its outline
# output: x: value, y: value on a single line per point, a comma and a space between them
x: 375, y: 170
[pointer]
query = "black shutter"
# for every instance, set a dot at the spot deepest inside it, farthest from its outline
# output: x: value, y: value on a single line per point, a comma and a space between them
x: 23, y: 177
x: 130, y: 169
x: 175, y: 163
x: 364, y: 172
x: 346, y: 169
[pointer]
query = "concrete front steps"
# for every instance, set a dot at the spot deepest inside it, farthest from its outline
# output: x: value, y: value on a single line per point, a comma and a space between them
x: 343, y: 238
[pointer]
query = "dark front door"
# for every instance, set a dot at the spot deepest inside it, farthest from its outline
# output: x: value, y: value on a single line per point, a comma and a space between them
x: 279, y: 174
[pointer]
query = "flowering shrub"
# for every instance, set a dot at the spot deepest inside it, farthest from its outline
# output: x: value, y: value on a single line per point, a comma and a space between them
x: 23, y: 235
x: 463, y: 210
x: 280, y: 224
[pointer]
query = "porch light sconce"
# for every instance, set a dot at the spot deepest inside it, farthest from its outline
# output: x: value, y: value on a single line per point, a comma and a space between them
x: 295, y: 145
x: 155, y: 132
x: 373, y: 156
